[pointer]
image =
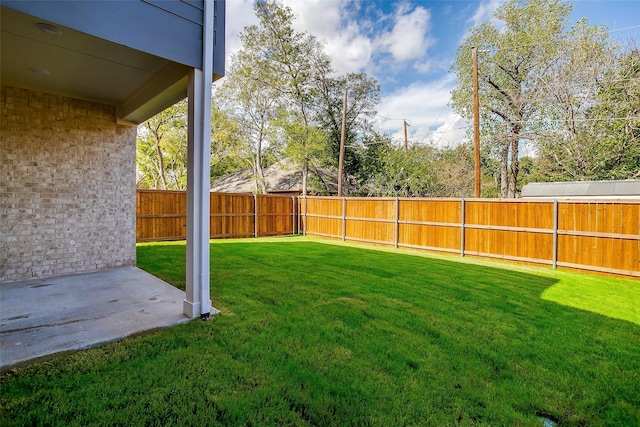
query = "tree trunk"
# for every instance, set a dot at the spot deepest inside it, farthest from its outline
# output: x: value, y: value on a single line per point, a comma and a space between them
x: 260, y: 184
x: 514, y: 168
x: 305, y: 174
x: 259, y: 171
x: 504, y: 159
x: 160, y: 164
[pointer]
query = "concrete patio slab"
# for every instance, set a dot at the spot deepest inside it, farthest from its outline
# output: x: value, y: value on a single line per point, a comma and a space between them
x: 47, y: 316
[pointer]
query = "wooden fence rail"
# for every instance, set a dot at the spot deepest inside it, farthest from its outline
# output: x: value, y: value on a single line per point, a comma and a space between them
x: 596, y: 235
x: 162, y: 215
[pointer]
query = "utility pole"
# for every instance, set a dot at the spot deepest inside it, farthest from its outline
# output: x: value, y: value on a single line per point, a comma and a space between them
x: 406, y: 140
x: 476, y: 120
x: 342, y: 138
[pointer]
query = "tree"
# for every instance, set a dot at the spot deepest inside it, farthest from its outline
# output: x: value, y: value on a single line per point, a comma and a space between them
x: 304, y: 144
x: 161, y: 156
x: 453, y: 172
x: 404, y: 174
x: 249, y: 94
x: 294, y: 61
x: 226, y: 142
x: 616, y: 120
x: 363, y: 97
x: 371, y: 151
x: 162, y: 149
x: 271, y: 83
x: 282, y: 91
x: 514, y: 59
x: 570, y: 91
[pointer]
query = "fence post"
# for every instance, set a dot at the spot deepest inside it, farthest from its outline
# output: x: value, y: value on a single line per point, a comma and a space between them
x: 396, y: 231
x: 462, y: 215
x: 293, y: 215
x: 255, y: 215
x: 554, y: 256
x: 344, y: 218
x: 299, y: 212
x: 306, y: 219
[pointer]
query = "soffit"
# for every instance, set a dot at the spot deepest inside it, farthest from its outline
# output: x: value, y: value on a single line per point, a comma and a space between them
x: 78, y: 65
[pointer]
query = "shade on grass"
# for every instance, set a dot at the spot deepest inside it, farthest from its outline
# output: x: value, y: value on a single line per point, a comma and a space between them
x: 320, y: 334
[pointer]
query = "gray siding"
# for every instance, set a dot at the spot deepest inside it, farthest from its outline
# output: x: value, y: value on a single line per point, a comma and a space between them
x: 191, y: 11
x: 218, y: 38
x: 170, y: 29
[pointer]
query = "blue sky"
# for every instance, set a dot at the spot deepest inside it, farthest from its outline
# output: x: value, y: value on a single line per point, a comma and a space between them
x: 409, y: 46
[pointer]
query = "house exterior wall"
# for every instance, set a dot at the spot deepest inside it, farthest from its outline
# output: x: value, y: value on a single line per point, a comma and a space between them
x: 67, y: 186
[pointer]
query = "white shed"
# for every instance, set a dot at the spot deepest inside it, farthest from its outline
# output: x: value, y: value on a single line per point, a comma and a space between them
x: 617, y: 189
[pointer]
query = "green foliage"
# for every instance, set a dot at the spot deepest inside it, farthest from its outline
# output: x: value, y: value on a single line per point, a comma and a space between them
x: 161, y: 156
x: 226, y: 143
x: 404, y: 174
x: 325, y: 334
x: 363, y: 97
x: 513, y: 61
x: 562, y: 90
x: 282, y: 90
x: 304, y: 144
x: 571, y: 142
x: 371, y: 152
x: 294, y: 60
x: 616, y: 120
x: 423, y: 171
x: 567, y: 92
x: 453, y: 172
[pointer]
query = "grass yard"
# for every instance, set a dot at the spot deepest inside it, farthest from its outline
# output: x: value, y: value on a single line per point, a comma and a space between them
x: 330, y: 334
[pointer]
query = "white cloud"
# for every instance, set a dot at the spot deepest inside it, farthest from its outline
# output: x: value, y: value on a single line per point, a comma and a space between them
x: 452, y: 132
x: 239, y: 13
x: 424, y: 107
x: 353, y: 40
x: 319, y: 17
x: 484, y: 11
x: 346, y: 40
x: 409, y: 37
x: 349, y: 50
x: 359, y: 37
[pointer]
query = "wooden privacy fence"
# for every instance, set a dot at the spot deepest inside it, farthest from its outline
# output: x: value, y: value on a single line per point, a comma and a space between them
x: 597, y: 235
x: 162, y: 215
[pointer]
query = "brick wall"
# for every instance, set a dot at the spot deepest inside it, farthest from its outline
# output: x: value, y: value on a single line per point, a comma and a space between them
x: 67, y: 186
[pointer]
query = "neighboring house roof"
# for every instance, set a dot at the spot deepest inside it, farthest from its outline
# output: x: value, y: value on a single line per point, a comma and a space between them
x: 280, y: 177
x: 618, y: 189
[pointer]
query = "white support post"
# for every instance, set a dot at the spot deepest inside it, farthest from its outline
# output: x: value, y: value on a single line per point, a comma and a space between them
x: 198, y: 301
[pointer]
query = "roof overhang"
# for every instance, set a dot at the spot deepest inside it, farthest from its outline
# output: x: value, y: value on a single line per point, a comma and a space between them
x: 47, y: 57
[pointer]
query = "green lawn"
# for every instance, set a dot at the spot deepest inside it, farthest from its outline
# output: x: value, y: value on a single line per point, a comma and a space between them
x: 331, y: 334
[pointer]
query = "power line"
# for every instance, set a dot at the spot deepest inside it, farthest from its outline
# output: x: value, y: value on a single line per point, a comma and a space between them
x: 515, y: 46
x: 603, y: 119
x: 624, y: 29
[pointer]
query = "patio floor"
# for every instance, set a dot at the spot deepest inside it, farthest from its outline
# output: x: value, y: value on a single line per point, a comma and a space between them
x: 47, y: 316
